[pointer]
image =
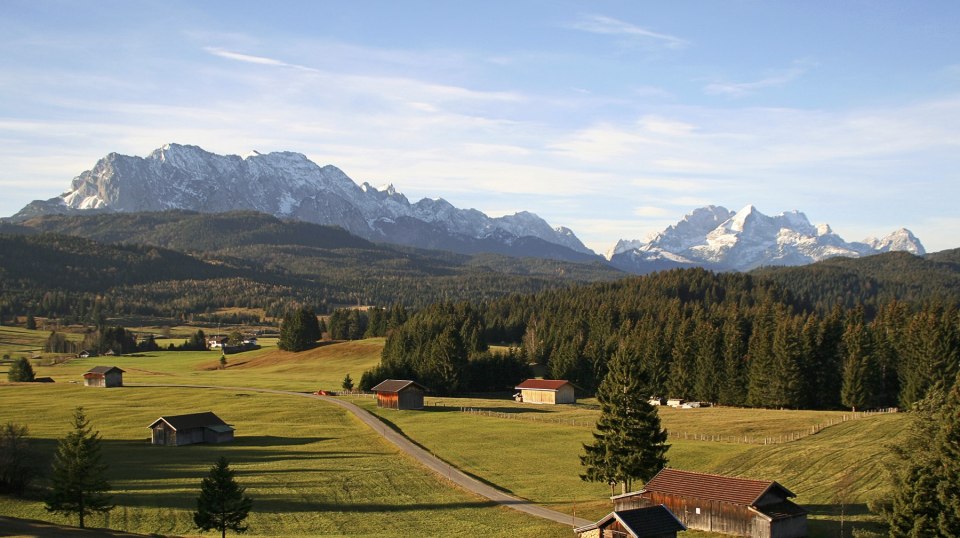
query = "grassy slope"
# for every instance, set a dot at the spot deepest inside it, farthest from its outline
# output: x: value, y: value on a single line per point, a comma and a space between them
x: 311, y: 468
x: 536, y: 455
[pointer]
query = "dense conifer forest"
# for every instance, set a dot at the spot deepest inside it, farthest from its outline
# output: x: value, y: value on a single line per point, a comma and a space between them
x: 731, y: 339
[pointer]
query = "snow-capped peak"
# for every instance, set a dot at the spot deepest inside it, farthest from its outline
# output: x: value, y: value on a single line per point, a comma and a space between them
x: 713, y: 237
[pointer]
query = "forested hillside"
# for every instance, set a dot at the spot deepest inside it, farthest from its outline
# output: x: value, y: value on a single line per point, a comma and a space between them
x: 728, y: 338
x: 872, y: 281
x: 185, y: 265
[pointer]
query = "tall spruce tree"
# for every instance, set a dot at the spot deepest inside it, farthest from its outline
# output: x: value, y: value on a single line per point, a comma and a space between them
x: 78, y: 477
x: 20, y: 370
x: 222, y: 503
x: 299, y: 330
x: 926, y: 471
x: 629, y: 443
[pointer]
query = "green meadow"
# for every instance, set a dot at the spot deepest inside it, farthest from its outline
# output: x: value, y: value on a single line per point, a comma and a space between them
x: 314, y: 470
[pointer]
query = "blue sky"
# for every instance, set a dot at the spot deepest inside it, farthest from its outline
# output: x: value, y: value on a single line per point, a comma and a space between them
x: 612, y: 118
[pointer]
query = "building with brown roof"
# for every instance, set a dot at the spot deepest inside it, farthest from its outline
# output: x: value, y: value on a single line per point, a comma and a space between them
x: 651, y: 522
x: 546, y: 391
x: 103, y: 376
x: 399, y: 394
x: 176, y: 430
x: 723, y: 504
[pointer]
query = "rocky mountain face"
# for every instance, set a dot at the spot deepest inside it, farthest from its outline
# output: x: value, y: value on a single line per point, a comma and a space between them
x: 720, y: 239
x: 288, y: 185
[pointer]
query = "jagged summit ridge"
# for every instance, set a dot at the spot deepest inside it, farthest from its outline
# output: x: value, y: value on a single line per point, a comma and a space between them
x: 721, y: 239
x: 290, y: 185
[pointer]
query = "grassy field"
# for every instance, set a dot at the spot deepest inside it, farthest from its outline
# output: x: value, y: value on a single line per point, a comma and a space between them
x: 311, y: 468
x: 537, y: 450
x: 530, y: 451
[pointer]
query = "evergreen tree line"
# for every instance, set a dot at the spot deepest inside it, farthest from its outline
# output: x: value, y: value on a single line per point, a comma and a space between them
x: 443, y: 348
x: 726, y: 338
x: 356, y: 324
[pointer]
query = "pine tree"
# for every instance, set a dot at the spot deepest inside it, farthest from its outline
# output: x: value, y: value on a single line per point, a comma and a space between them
x: 222, y: 504
x: 947, y: 447
x: 926, y: 501
x: 347, y: 384
x: 629, y: 443
x: 20, y: 371
x: 78, y: 478
x: 299, y: 330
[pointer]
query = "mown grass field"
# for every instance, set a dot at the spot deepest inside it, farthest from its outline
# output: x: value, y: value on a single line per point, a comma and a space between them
x: 311, y: 468
x: 533, y: 454
x: 537, y: 452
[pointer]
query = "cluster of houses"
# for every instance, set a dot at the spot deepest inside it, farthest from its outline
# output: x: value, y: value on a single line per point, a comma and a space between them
x: 223, y: 344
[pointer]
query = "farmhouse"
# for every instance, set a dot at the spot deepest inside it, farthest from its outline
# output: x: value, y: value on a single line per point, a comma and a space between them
x: 399, y: 394
x: 738, y: 506
x: 103, y: 376
x: 179, y: 430
x: 651, y: 522
x: 546, y: 391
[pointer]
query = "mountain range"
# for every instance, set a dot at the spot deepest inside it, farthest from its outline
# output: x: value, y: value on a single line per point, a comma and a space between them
x: 288, y: 185
x: 717, y: 238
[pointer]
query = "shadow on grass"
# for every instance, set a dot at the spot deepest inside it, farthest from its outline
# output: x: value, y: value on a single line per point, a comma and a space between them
x: 828, y: 520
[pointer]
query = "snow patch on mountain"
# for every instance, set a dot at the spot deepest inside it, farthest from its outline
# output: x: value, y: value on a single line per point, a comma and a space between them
x: 720, y: 239
x: 287, y: 185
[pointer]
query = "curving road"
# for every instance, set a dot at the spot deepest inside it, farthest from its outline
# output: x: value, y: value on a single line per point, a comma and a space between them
x: 427, y: 459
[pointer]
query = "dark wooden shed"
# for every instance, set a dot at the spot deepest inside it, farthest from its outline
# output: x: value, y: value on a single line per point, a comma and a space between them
x: 651, y: 522
x: 723, y: 504
x: 177, y: 430
x: 399, y: 394
x: 103, y: 376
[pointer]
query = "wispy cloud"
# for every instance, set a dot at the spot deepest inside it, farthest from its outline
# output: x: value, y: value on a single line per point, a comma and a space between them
x: 601, y: 24
x: 259, y: 60
x: 774, y: 80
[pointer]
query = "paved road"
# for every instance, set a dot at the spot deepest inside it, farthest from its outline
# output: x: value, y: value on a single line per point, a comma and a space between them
x: 430, y: 461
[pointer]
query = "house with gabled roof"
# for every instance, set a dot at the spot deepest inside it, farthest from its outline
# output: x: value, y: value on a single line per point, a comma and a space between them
x: 722, y: 504
x: 177, y: 430
x: 399, y: 394
x: 651, y: 522
x: 546, y: 391
x: 103, y: 376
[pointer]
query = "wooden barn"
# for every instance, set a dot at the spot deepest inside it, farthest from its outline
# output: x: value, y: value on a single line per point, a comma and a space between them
x: 651, y: 522
x: 546, y: 391
x: 400, y: 394
x: 103, y: 376
x: 180, y: 430
x: 722, y: 504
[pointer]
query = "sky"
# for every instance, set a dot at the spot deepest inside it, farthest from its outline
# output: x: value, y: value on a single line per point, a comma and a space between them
x: 614, y: 119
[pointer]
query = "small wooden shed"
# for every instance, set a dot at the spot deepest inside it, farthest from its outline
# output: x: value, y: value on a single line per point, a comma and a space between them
x: 177, y: 430
x: 103, y: 376
x: 546, y: 391
x: 651, y: 522
x: 400, y: 394
x: 722, y: 504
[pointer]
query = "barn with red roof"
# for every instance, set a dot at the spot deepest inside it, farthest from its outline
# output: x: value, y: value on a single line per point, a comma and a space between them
x: 723, y: 504
x: 546, y: 391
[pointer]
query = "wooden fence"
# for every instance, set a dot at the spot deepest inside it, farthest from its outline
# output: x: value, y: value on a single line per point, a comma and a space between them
x: 690, y: 436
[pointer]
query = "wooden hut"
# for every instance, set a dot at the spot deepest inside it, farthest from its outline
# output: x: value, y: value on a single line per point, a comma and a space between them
x: 722, y: 504
x: 103, y: 376
x: 177, y: 430
x: 546, y: 391
x: 399, y: 394
x: 651, y: 522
